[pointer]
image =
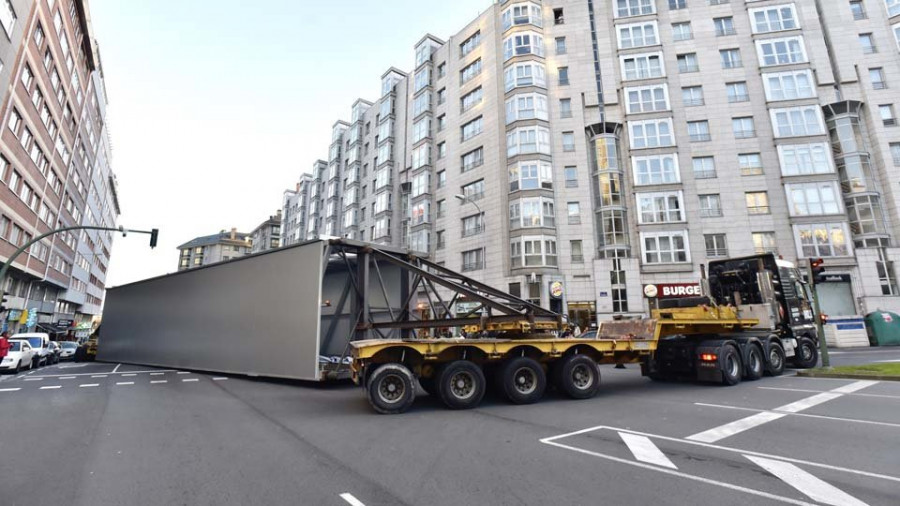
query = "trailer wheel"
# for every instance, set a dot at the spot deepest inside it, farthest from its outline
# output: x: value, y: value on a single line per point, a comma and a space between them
x: 522, y: 380
x: 775, y: 364
x: 391, y: 389
x: 461, y: 384
x: 807, y: 354
x: 755, y: 367
x: 731, y: 366
x: 578, y: 377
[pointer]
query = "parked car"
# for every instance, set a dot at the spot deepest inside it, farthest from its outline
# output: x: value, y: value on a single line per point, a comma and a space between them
x: 21, y: 355
x: 55, y: 351
x: 40, y: 342
x: 67, y: 350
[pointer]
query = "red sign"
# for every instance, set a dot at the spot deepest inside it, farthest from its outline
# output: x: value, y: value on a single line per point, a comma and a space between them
x: 677, y: 290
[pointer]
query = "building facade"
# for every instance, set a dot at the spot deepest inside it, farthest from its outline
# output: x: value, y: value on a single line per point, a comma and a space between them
x: 572, y: 151
x: 55, y: 163
x: 294, y: 212
x: 267, y: 235
x: 210, y: 249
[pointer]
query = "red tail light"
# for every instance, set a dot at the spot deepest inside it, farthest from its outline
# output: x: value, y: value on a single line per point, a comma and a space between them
x: 708, y: 357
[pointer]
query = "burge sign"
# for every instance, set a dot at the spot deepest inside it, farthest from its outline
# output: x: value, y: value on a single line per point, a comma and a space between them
x: 673, y: 290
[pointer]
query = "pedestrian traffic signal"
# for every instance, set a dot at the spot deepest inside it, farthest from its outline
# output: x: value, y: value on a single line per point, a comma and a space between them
x: 3, y: 302
x: 154, y: 234
x: 816, y: 269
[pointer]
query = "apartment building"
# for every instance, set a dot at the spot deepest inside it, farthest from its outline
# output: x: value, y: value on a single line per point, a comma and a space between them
x: 55, y: 162
x: 210, y: 249
x: 293, y: 212
x: 267, y: 235
x: 571, y: 152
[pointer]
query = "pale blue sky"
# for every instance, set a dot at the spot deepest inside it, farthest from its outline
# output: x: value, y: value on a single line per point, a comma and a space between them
x: 217, y: 107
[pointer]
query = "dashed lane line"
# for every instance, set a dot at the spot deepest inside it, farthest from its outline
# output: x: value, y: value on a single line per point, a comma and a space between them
x: 353, y: 501
x: 125, y: 383
x: 33, y: 379
x: 129, y: 374
x: 189, y: 380
x: 156, y: 373
x: 94, y: 374
x: 10, y: 389
x: 153, y: 382
x: 51, y: 387
x: 86, y: 385
x: 98, y: 375
x: 806, y: 483
x: 219, y: 379
x: 183, y: 372
x: 66, y: 377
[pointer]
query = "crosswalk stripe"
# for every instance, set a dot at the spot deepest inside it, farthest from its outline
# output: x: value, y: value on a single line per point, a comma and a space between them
x: 855, y: 386
x: 730, y: 429
x: 806, y: 483
x: 644, y: 450
x: 815, y: 400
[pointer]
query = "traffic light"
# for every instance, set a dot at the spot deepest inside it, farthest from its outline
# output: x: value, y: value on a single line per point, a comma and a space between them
x: 154, y: 235
x: 3, y: 302
x: 816, y: 269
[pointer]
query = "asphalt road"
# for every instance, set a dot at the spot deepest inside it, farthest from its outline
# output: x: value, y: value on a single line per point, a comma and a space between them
x: 108, y: 434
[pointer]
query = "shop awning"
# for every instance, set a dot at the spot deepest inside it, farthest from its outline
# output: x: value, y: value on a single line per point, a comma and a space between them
x: 52, y: 329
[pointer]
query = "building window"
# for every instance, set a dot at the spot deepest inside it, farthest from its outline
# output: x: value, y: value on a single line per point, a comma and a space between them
x: 471, y: 99
x: 474, y: 190
x: 652, y: 133
x: 522, y: 14
x: 743, y: 128
x: 421, y: 130
x: 731, y: 58
x: 895, y: 153
x: 565, y: 108
x: 577, y: 253
x: 442, y: 150
x: 802, y: 159
x: 876, y: 75
x: 710, y: 206
x: 857, y: 9
x: 472, y: 225
x: 822, y: 240
x: 750, y: 164
x: 773, y: 19
x: 692, y: 96
x: 526, y: 106
x: 865, y: 213
x: 886, y: 273
x: 665, y: 247
x: 715, y: 245
x: 737, y: 92
x: 886, y: 112
x: 471, y: 129
x: 660, y: 169
x: 813, y: 199
x: 642, y: 66
x: 784, y: 51
x: 524, y: 43
x: 470, y: 71
x: 677, y: 4
x: 789, y: 85
x: 527, y: 140
x: 757, y: 202
x: 563, y: 73
x: 682, y: 31
x: 441, y: 208
x: 688, y: 63
x: 764, y: 242
x: 533, y: 251
x: 660, y: 207
x: 893, y: 7
x: 797, y: 121
x: 699, y: 131
x: 7, y: 17
x: 422, y: 79
x: 867, y: 42
x: 530, y: 175
x: 637, y: 35
x: 473, y: 260
x: 653, y: 98
x: 628, y: 8
x: 441, y: 96
x: 441, y: 178
x: 558, y: 17
x: 704, y: 167
x: 531, y: 212
x: 724, y: 26
x: 525, y: 74
x: 571, y: 174
x: 472, y: 159
x: 470, y: 44
x: 568, y: 141
x: 573, y: 212
x: 560, y: 45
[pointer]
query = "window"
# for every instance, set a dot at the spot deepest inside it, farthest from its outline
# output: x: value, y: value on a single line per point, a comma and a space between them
x: 441, y: 122
x: 724, y: 26
x: 886, y: 274
x: 781, y: 51
x: 628, y: 8
x: 743, y: 127
x: 886, y: 112
x: 688, y: 63
x: 421, y: 184
x: 526, y: 106
x: 737, y: 92
x: 473, y: 159
x: 731, y: 58
x: 867, y: 42
x: 573, y: 212
x: 637, y: 35
x: 568, y: 141
x: 704, y: 167
x: 893, y: 7
x: 471, y: 99
x: 474, y: 190
x: 470, y: 71
x: 441, y: 96
x: 764, y: 242
x: 563, y: 73
x: 660, y: 169
x: 682, y: 31
x: 560, y: 45
x: 757, y: 202
x: 647, y: 99
x: 810, y: 199
x: 577, y: 252
x: 699, y: 131
x: 750, y: 164
x: 422, y: 79
x: 661, y: 207
x: 665, y: 247
x: 421, y: 130
x: 525, y: 140
x: 857, y: 9
x: 382, y: 203
x: 473, y: 260
x: 15, y: 121
x: 895, y: 152
x: 522, y: 14
x: 692, y: 96
x: 538, y: 251
x: 642, y: 66
x: 789, y: 85
x: 470, y: 44
x: 796, y: 121
x: 441, y: 208
x: 822, y: 240
x: 565, y: 108
x: 773, y: 19
x: 865, y: 215
x: 571, y: 174
x: 558, y: 17
x: 652, y: 133
x: 715, y: 245
x: 421, y: 104
x: 382, y: 178
x: 472, y: 225
x: 524, y: 43
x: 472, y: 128
x: 382, y: 228
x: 39, y: 35
x: 710, y: 206
x: 525, y: 74
x: 530, y: 175
x: 876, y: 75
x: 7, y: 17
x: 27, y: 76
x: 442, y: 178
x: 420, y: 212
x: 677, y: 4
x: 421, y: 156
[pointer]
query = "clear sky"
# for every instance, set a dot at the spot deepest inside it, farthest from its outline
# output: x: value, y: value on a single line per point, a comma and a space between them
x: 217, y: 106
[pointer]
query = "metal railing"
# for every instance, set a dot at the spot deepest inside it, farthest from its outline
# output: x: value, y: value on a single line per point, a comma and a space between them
x: 692, y: 102
x: 744, y: 134
x: 577, y: 259
x: 758, y: 210
x: 473, y: 266
x: 743, y: 97
x: 721, y: 32
x: 470, y: 231
x: 711, y: 212
x: 700, y: 137
x: 687, y: 69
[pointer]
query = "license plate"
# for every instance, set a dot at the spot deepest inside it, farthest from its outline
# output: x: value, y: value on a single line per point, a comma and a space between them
x: 788, y: 347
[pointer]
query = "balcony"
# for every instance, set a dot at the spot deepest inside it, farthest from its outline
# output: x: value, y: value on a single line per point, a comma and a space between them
x: 716, y: 252
x: 687, y: 69
x: 889, y: 122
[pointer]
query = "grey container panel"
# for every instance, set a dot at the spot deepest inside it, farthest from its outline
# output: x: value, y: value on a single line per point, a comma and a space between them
x: 258, y: 315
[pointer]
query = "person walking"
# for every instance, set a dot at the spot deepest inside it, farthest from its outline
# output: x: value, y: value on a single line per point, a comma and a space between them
x: 4, y: 344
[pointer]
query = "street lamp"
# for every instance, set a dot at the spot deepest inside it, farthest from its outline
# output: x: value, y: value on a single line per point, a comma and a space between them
x: 462, y: 198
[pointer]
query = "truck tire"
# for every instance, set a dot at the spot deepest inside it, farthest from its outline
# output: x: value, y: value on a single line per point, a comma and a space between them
x: 461, y: 384
x: 775, y: 359
x: 578, y: 377
x: 391, y: 389
x: 522, y: 380
x: 731, y: 366
x: 807, y: 354
x: 755, y: 363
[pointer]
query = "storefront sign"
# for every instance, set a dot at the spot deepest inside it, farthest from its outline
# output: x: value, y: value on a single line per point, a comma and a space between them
x: 556, y: 289
x: 834, y: 278
x: 672, y: 290
x: 65, y: 323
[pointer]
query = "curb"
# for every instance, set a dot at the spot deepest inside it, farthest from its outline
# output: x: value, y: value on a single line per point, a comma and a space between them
x: 880, y: 377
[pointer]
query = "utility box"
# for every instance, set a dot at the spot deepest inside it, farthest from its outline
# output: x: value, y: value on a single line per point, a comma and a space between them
x: 883, y: 328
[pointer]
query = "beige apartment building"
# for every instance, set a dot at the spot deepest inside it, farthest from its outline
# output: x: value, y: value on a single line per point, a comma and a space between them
x: 572, y: 151
x: 211, y: 249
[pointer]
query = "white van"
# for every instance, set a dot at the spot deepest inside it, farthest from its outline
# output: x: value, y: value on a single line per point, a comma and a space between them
x: 40, y: 342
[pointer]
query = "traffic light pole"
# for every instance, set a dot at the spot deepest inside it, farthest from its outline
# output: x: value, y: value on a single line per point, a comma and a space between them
x: 820, y: 328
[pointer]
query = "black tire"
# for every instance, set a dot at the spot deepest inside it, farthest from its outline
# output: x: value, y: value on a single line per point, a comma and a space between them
x: 522, y: 380
x: 755, y: 363
x: 18, y: 368
x: 731, y: 366
x: 461, y: 384
x: 391, y: 389
x: 775, y: 360
x: 578, y: 377
x: 807, y: 354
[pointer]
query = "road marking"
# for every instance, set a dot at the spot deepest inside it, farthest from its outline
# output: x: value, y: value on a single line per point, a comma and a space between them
x: 806, y: 483
x: 33, y: 379
x: 836, y: 418
x: 644, y: 450
x: 10, y: 389
x: 103, y: 375
x: 853, y: 387
x: 156, y: 373
x: 98, y: 375
x: 822, y: 391
x: 129, y: 374
x: 219, y: 379
x: 125, y: 383
x: 117, y: 368
x: 735, y: 427
x: 187, y: 380
x: 886, y: 361
x: 89, y: 385
x: 347, y: 496
x: 803, y: 404
x: 66, y: 377
x: 158, y: 381
x: 183, y: 372
x: 54, y: 387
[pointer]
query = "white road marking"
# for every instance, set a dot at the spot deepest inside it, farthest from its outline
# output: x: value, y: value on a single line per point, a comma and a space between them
x: 886, y: 361
x: 54, y: 387
x: 158, y: 381
x: 117, y: 368
x: 822, y: 391
x: 33, y: 379
x: 855, y: 386
x: 156, y: 373
x: 189, y: 380
x: 103, y: 375
x: 823, y: 417
x: 806, y: 483
x: 219, y: 379
x: 644, y: 450
x: 347, y: 496
x: 735, y: 427
x: 66, y: 377
x: 802, y: 404
x: 125, y: 383
x: 183, y: 372
x: 89, y: 385
x: 10, y: 389
x: 98, y: 375
x: 129, y: 374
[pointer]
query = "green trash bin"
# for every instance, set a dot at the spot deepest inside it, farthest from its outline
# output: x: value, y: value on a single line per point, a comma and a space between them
x: 883, y: 328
